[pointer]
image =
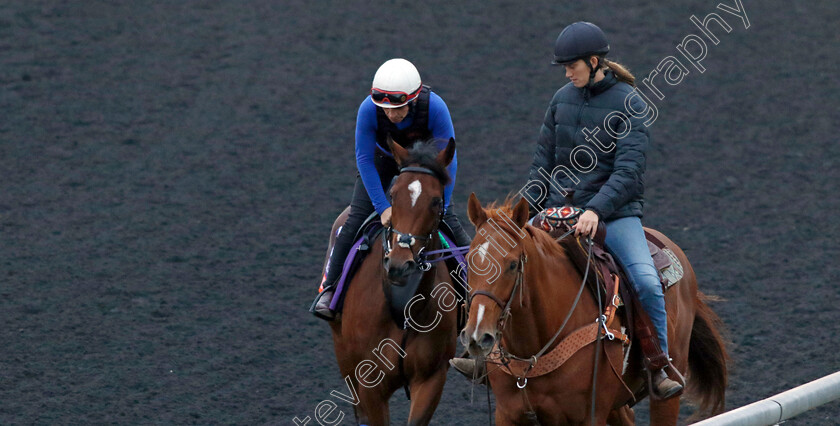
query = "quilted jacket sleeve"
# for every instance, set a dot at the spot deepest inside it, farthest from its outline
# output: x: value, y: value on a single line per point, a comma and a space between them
x: 538, y: 187
x: 626, y: 180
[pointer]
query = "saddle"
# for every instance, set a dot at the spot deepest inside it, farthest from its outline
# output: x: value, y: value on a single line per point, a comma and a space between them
x: 603, y: 270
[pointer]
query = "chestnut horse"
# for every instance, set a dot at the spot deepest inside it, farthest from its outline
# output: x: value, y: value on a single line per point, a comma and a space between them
x: 375, y: 355
x: 548, y: 284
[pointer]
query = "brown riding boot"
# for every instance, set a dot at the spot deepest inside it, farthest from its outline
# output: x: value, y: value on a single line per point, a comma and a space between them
x: 470, y: 369
x: 322, y: 306
x: 663, y: 386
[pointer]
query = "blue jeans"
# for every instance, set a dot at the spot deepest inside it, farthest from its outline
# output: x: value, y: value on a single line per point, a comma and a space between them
x: 626, y: 242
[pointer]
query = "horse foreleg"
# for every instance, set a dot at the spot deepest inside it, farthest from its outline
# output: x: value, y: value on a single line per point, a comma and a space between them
x: 600, y: 419
x: 425, y: 396
x: 373, y: 409
x: 665, y: 413
x: 502, y: 418
x: 623, y: 416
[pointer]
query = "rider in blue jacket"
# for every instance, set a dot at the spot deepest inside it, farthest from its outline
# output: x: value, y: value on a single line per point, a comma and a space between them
x: 399, y: 105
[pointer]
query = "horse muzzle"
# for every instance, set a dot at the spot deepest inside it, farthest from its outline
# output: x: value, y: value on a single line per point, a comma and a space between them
x: 399, y: 271
x: 479, y: 344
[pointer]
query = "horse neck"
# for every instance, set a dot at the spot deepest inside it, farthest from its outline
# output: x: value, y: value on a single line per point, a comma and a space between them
x: 550, y: 286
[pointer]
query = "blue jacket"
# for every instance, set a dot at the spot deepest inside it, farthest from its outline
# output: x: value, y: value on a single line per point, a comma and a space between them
x: 440, y: 125
x: 614, y: 188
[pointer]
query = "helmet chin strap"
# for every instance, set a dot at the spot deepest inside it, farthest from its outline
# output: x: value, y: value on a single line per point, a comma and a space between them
x: 592, y: 71
x: 411, y: 107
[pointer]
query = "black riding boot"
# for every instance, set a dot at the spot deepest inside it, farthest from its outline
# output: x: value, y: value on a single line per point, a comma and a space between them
x: 360, y: 209
x: 343, y: 244
x: 460, y: 237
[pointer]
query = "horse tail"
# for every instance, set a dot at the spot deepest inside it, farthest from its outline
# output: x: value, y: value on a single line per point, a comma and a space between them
x: 707, y: 359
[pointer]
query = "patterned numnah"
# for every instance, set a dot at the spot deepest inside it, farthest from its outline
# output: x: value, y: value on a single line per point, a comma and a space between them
x: 554, y: 218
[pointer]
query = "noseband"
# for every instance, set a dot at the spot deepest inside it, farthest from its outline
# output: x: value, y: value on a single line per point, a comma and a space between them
x: 407, y: 240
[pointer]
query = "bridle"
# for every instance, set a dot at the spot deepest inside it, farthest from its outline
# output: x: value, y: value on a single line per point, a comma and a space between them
x: 408, y: 240
x: 518, y: 284
x: 505, y: 306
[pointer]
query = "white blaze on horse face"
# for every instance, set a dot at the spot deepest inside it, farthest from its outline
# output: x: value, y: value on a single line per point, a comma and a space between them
x: 478, y: 321
x: 415, y: 188
x: 482, y: 250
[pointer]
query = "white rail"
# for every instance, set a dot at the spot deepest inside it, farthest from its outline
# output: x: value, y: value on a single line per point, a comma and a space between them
x: 783, y: 406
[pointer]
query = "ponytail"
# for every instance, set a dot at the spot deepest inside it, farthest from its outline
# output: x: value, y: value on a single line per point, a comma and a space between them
x: 621, y: 73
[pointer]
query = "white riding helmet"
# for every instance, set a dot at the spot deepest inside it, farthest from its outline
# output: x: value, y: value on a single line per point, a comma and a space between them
x: 395, y: 84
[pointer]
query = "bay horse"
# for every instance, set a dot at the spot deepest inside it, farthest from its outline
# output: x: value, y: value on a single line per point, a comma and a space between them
x: 375, y: 355
x: 548, y: 283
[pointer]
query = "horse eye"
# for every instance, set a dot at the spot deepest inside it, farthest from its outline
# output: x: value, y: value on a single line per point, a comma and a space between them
x: 512, y: 266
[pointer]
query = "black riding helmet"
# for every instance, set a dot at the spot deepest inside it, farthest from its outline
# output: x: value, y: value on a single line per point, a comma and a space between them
x: 580, y: 41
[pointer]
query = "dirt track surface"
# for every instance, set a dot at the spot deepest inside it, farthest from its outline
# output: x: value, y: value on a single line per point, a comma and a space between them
x: 170, y: 171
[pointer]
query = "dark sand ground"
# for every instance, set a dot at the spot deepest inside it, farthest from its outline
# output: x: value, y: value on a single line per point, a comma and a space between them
x: 170, y: 171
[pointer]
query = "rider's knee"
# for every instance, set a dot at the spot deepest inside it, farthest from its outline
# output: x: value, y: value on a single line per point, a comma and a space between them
x: 646, y: 282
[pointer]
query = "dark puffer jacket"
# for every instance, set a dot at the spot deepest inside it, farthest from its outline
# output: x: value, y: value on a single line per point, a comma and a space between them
x: 614, y: 188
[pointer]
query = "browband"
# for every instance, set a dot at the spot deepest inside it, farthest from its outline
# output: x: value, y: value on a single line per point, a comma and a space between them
x: 418, y: 170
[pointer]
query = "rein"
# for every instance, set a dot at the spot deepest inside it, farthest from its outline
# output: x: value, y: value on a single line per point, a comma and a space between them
x: 452, y: 252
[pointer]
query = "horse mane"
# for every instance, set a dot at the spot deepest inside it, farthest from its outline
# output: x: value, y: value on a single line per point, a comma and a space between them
x: 541, y: 240
x: 424, y: 154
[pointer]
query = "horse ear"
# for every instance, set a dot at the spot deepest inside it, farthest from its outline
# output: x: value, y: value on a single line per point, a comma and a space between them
x: 400, y: 153
x: 475, y: 212
x: 445, y: 157
x: 520, y: 213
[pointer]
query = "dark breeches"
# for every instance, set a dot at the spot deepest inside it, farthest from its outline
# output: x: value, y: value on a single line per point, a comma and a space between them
x: 458, y: 234
x: 360, y: 208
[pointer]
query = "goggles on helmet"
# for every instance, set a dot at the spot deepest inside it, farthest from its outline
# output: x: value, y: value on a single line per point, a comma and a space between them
x: 395, y: 98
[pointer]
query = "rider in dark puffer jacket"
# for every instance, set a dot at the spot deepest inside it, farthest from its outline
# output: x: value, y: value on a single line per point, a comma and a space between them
x: 615, y: 187
x: 593, y: 141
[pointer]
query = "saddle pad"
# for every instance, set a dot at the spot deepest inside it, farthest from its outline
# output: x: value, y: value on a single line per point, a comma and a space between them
x: 557, y: 218
x: 354, y: 259
x: 667, y: 264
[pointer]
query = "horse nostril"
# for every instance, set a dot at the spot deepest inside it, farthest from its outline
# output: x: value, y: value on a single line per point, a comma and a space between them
x: 409, y: 265
x: 487, y: 341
